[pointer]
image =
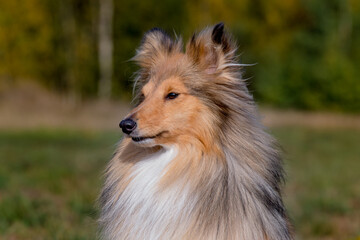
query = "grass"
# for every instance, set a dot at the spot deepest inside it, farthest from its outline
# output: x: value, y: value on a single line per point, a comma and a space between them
x: 49, y: 181
x: 323, y: 187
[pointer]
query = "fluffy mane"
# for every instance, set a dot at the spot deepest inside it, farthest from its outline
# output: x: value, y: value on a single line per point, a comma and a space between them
x: 224, y: 181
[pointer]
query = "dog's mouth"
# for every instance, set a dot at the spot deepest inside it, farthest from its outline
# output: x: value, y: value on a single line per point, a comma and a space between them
x: 140, y: 139
x: 143, y: 139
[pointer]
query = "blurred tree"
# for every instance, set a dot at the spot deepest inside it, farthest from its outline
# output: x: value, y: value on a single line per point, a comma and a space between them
x: 308, y: 52
x: 105, y: 47
x: 24, y: 38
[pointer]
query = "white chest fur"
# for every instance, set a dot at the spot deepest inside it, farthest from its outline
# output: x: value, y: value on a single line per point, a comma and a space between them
x: 146, y: 212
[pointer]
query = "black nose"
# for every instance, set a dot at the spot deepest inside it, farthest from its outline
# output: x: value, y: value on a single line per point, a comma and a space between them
x: 127, y: 125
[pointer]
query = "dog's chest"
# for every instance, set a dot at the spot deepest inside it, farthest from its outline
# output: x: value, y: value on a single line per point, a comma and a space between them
x: 146, y: 210
x: 146, y: 174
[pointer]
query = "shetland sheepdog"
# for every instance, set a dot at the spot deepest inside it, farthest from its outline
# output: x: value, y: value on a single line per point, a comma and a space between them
x: 196, y: 162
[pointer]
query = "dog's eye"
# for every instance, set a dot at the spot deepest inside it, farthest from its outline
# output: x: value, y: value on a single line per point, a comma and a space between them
x: 172, y: 95
x: 140, y: 99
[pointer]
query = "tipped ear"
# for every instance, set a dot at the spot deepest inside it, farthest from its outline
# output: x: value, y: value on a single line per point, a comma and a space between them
x: 211, y: 48
x: 217, y: 34
x: 156, y: 43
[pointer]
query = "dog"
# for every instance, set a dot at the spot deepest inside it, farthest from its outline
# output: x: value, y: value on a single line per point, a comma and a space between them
x: 196, y: 162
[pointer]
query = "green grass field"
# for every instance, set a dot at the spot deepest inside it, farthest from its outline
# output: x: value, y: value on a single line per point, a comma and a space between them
x: 50, y: 179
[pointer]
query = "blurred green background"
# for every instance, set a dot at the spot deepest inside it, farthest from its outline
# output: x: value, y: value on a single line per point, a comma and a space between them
x: 307, y: 52
x: 65, y: 83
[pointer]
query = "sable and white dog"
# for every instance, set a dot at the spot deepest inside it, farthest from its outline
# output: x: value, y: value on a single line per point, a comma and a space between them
x: 196, y: 162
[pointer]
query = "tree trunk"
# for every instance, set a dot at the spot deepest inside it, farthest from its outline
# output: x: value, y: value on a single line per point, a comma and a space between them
x: 105, y: 47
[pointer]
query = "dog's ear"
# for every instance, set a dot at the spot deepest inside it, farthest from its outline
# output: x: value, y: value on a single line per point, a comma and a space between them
x: 156, y: 44
x: 211, y: 49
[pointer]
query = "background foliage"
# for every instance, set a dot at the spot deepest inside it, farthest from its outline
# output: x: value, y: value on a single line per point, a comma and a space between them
x: 307, y: 52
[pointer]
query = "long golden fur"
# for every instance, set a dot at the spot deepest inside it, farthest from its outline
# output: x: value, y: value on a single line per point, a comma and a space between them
x: 199, y: 164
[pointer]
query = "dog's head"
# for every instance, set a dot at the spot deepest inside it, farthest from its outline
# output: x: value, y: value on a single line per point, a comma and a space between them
x: 180, y: 93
